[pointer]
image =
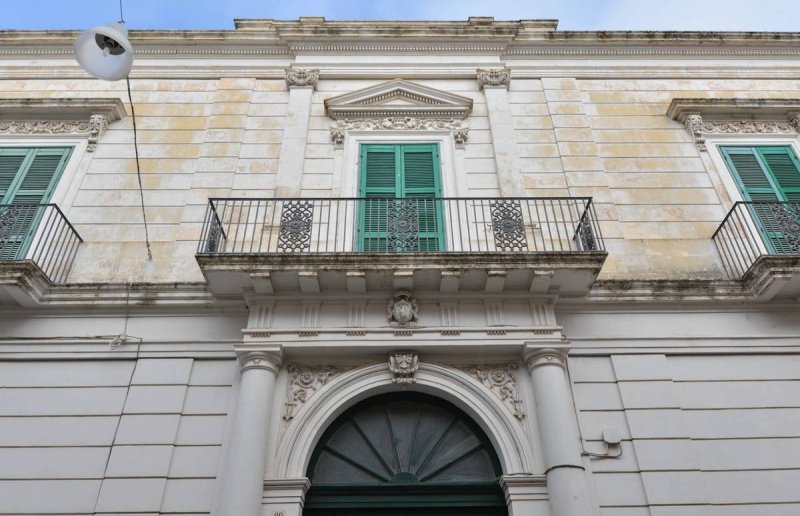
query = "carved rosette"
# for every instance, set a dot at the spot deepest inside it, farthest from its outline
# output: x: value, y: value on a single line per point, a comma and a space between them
x: 93, y: 128
x: 302, y: 77
x: 501, y: 380
x: 408, y: 123
x: 494, y: 77
x: 304, y: 382
x: 404, y: 367
x: 794, y: 120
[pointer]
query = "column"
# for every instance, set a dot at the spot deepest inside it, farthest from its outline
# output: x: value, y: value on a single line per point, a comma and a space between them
x: 495, y: 83
x: 558, y: 426
x: 243, y: 482
x: 301, y: 84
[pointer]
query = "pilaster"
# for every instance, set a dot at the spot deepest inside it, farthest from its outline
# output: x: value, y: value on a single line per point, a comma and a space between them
x: 301, y: 84
x: 495, y: 83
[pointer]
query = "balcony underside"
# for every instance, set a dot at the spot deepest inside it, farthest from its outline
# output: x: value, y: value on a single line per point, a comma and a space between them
x: 561, y: 273
x: 774, y: 277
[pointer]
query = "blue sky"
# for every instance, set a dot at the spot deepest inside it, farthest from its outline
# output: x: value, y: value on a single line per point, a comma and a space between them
x: 761, y: 15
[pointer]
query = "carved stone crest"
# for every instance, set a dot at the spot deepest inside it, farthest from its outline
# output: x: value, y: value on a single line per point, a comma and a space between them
x: 501, y: 380
x: 303, y: 382
x: 494, y: 77
x: 403, y: 309
x: 299, y: 77
x: 403, y: 366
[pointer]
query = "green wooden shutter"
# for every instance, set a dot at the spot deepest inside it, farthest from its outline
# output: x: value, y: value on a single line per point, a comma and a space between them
x: 421, y: 181
x: 28, y: 177
x: 392, y: 172
x: 768, y: 174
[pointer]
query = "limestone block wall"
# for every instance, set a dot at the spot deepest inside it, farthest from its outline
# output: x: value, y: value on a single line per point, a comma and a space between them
x: 112, y: 436
x: 658, y: 197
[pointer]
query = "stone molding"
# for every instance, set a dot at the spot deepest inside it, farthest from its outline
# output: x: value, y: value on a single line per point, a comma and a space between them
x: 304, y: 381
x: 460, y: 131
x: 703, y: 117
x: 62, y: 117
x: 267, y: 359
x: 501, y: 380
x: 546, y: 356
x: 494, y: 77
x: 302, y: 77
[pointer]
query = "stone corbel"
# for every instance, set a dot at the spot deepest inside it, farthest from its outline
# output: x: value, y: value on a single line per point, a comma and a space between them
x: 494, y: 77
x: 302, y: 77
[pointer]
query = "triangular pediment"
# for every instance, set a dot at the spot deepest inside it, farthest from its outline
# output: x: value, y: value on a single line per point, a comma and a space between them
x: 398, y: 98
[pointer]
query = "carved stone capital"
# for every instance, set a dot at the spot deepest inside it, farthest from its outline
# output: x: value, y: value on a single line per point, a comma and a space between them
x: 404, y: 367
x: 494, y: 77
x: 302, y: 77
x: 546, y: 357
x: 501, y: 380
x: 304, y: 382
x: 266, y: 359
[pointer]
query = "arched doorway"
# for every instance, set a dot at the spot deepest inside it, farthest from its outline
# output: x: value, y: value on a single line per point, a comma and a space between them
x: 400, y: 454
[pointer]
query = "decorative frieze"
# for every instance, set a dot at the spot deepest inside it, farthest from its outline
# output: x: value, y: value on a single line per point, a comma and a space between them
x: 699, y: 128
x: 93, y: 128
x: 494, y: 77
x: 501, y: 380
x: 304, y: 382
x: 404, y: 367
x: 302, y: 77
x: 408, y: 123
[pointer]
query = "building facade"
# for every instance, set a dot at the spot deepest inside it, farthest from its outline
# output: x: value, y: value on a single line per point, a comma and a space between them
x: 476, y: 267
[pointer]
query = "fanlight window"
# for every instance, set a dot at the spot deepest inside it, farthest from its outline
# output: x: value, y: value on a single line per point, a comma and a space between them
x: 402, y: 451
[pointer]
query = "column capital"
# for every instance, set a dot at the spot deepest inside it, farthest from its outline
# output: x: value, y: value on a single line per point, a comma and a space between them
x: 302, y: 77
x: 536, y: 357
x: 494, y: 77
x: 267, y: 358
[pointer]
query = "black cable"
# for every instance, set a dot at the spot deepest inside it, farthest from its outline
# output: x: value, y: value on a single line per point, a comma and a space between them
x: 121, y: 17
x: 138, y: 169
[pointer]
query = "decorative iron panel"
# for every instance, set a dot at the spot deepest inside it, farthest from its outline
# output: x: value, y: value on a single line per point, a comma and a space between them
x: 402, y: 226
x: 508, y: 225
x: 787, y: 218
x: 297, y: 219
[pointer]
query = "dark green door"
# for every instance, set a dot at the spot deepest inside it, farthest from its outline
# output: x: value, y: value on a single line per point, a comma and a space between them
x: 770, y: 177
x: 28, y: 177
x: 401, y: 454
x: 400, y: 185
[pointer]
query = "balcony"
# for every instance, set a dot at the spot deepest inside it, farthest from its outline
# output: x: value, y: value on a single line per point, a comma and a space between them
x: 759, y: 243
x: 37, y: 242
x: 268, y: 246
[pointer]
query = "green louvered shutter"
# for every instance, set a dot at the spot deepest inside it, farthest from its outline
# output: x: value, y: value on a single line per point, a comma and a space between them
x: 399, y: 183
x: 28, y: 177
x: 768, y: 174
x: 421, y: 182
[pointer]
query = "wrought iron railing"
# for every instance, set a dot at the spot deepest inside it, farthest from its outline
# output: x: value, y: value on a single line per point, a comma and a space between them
x: 40, y: 233
x: 400, y: 225
x: 754, y: 229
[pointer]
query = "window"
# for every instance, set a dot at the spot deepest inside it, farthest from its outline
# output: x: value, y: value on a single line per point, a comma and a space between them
x: 28, y: 177
x: 401, y: 186
x: 768, y: 178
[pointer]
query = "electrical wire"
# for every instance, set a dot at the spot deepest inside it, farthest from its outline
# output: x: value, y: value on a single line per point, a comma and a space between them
x: 138, y: 168
x: 121, y: 17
